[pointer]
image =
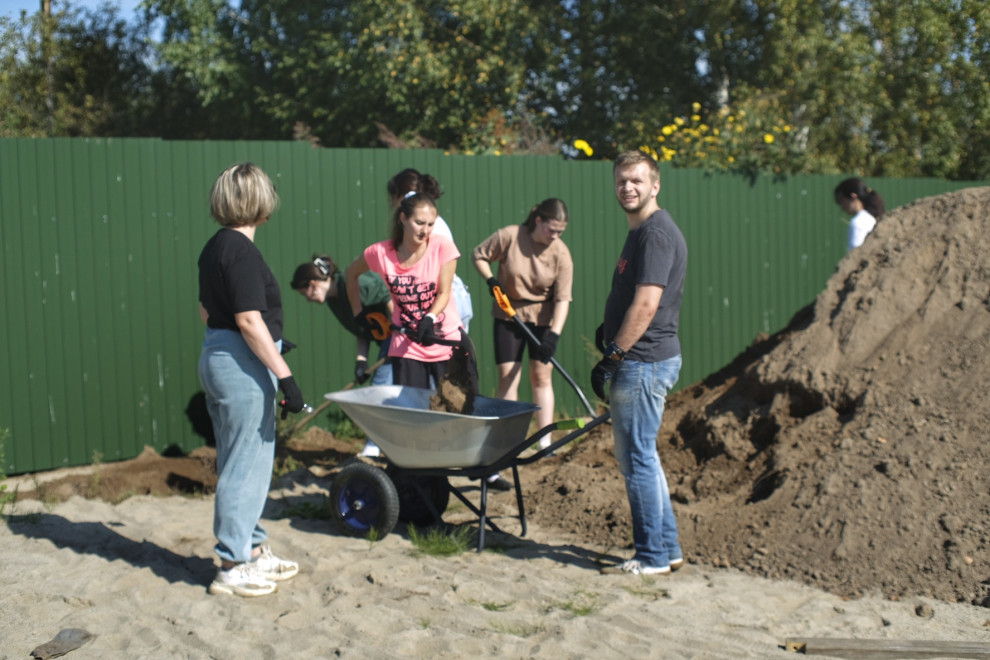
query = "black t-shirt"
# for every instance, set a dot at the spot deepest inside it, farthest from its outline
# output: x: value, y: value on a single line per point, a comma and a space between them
x: 654, y: 253
x: 234, y: 278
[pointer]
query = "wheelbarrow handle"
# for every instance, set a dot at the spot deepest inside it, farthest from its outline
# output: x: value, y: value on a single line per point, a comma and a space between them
x: 503, y: 302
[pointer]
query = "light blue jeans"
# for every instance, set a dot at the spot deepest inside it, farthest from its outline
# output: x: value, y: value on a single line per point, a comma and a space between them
x: 636, y: 397
x: 383, y: 374
x: 240, y: 397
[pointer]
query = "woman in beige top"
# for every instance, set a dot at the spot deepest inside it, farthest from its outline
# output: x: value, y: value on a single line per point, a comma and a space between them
x: 536, y: 272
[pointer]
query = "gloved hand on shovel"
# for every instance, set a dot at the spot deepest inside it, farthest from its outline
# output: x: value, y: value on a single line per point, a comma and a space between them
x: 547, y: 347
x: 293, y: 401
x: 492, y: 283
x: 425, y: 334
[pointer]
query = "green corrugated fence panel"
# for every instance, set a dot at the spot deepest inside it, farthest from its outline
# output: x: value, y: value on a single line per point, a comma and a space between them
x: 99, y: 240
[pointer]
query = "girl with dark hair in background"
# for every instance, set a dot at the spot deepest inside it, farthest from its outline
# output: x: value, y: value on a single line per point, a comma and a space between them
x: 321, y: 281
x: 864, y: 204
x: 536, y: 272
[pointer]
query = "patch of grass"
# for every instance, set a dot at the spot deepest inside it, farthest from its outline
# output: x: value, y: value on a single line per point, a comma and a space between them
x: 518, y: 629
x: 372, y: 537
x: 309, y: 510
x: 7, y: 497
x: 284, y: 465
x: 96, y: 478
x: 341, y: 425
x: 441, y: 542
x: 497, y: 607
x: 583, y: 604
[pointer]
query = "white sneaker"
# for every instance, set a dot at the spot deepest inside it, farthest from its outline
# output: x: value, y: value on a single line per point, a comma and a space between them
x: 634, y: 567
x: 242, y: 580
x: 274, y: 568
x: 370, y: 450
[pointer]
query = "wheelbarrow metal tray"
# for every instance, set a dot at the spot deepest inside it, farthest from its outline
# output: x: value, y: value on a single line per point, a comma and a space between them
x: 399, y: 420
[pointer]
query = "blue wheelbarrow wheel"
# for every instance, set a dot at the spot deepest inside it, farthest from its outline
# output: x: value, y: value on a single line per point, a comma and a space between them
x: 363, y: 500
x: 413, y: 508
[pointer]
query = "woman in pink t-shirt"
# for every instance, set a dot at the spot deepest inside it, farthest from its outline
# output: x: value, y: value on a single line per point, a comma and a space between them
x: 418, y: 269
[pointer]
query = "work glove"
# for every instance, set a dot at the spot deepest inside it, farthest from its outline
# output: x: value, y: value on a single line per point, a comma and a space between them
x: 600, y: 338
x: 547, y: 347
x: 601, y: 374
x: 293, y: 400
x: 361, y: 374
x: 425, y: 334
x: 287, y: 345
x: 492, y: 283
x: 373, y: 323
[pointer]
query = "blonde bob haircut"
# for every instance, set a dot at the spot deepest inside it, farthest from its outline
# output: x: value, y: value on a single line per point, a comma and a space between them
x: 243, y: 196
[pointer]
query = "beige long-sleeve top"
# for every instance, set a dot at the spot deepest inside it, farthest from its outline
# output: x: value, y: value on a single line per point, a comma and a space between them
x: 534, y: 276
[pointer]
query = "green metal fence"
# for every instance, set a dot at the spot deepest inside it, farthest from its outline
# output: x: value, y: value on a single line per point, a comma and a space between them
x: 100, y: 332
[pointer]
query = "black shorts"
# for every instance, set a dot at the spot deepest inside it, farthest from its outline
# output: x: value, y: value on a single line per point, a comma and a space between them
x: 510, y: 340
x: 406, y: 371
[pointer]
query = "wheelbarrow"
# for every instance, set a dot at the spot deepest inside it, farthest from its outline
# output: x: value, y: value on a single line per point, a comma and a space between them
x: 427, y: 447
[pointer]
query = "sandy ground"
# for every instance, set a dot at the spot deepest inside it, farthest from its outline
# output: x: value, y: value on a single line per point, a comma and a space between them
x: 135, y: 575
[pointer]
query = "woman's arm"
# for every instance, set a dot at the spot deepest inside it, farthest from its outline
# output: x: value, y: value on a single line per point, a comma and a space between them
x: 204, y: 315
x: 560, y: 309
x: 483, y: 266
x: 444, y: 284
x: 260, y: 341
x: 351, y: 275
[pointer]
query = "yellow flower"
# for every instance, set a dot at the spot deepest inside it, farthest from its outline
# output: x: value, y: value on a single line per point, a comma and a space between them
x: 695, y: 107
x: 668, y: 154
x: 768, y: 138
x: 582, y: 145
x: 668, y: 129
x: 679, y: 121
x: 696, y: 118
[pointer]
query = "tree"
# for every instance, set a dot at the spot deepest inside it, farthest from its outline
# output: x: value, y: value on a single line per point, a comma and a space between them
x: 73, y: 73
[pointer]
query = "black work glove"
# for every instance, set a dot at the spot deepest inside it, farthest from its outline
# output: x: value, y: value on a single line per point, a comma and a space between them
x: 374, y: 324
x: 600, y: 338
x: 293, y: 401
x: 492, y: 283
x: 424, y: 331
x: 547, y: 347
x: 361, y: 371
x: 287, y: 345
x: 601, y: 374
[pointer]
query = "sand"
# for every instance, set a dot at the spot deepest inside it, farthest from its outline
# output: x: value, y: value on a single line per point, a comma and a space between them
x: 135, y: 575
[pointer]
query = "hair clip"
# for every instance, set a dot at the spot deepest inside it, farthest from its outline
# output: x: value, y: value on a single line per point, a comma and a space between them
x: 322, y: 265
x: 409, y: 194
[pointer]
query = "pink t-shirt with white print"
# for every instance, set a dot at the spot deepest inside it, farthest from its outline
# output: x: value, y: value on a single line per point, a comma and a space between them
x: 414, y: 291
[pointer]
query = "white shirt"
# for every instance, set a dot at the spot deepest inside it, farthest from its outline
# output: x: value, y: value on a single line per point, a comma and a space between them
x: 859, y: 228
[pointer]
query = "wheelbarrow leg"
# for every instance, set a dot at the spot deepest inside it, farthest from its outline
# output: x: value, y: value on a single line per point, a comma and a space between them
x: 481, y: 515
x: 519, y: 501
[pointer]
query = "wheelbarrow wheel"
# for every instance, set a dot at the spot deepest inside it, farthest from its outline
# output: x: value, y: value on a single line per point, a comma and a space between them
x: 413, y: 508
x: 364, y: 500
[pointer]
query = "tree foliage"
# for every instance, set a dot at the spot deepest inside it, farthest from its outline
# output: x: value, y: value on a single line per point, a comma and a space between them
x: 875, y: 87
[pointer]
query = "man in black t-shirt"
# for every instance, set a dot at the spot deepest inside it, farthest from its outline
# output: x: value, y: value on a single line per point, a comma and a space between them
x: 643, y: 358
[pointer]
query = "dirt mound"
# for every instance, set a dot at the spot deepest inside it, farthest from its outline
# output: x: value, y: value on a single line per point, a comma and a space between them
x: 848, y: 451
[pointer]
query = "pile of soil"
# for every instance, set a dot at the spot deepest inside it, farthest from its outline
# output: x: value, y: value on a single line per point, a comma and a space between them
x: 849, y: 450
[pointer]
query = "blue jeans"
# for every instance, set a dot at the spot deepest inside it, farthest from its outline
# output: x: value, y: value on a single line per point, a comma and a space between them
x: 240, y: 397
x: 383, y: 374
x: 637, y: 396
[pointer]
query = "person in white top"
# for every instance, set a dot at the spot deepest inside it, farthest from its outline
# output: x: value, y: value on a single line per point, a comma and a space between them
x: 864, y: 204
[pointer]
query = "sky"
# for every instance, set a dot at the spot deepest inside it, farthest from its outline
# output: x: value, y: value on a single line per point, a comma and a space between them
x: 12, y: 8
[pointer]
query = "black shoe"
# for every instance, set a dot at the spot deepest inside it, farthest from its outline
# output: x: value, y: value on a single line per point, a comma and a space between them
x: 500, y: 483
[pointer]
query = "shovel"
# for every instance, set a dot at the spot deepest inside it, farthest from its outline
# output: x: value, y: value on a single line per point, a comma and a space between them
x: 503, y: 302
x: 313, y: 412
